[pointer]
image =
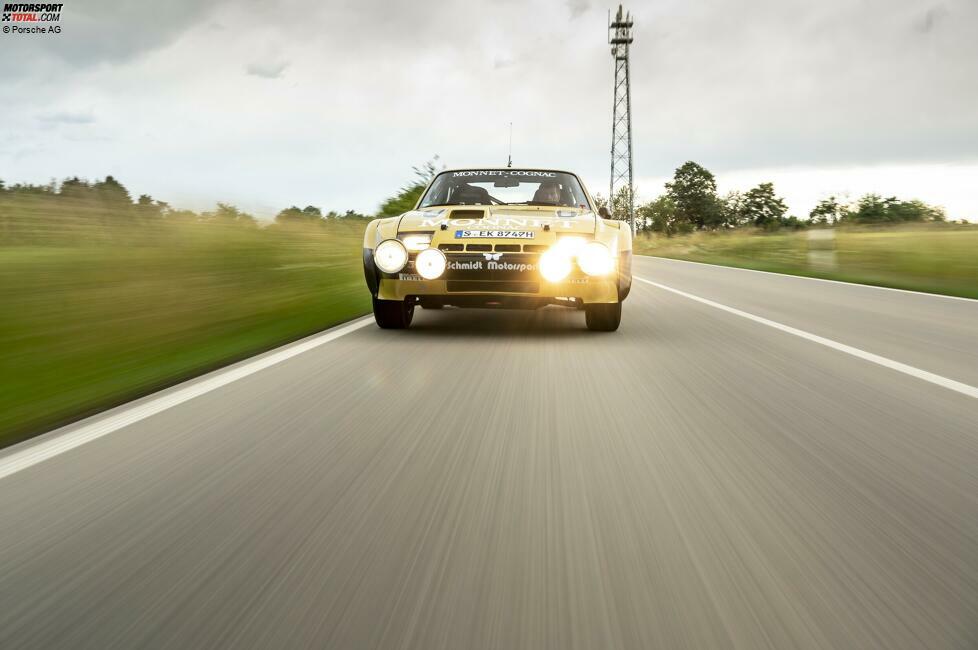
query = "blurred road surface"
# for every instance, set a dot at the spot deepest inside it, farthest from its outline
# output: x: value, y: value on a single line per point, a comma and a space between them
x: 510, y: 480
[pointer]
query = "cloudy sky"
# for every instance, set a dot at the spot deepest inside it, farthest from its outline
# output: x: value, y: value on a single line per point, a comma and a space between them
x: 330, y: 103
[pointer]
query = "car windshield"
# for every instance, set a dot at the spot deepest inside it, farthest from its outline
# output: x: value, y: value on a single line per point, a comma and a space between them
x: 506, y: 187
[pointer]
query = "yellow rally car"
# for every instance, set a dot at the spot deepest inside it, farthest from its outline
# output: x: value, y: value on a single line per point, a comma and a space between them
x: 512, y: 238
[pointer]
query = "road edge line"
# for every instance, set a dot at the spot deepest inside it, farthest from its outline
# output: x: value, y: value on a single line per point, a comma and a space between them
x: 35, y: 451
x: 938, y: 380
x: 814, y: 279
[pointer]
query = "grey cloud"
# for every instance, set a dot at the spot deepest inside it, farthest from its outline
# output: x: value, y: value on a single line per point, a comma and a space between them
x: 771, y: 82
x: 267, y: 69
x: 730, y: 83
x: 796, y: 83
x: 577, y: 7
x: 66, y: 117
x: 105, y: 31
x: 501, y: 62
x: 931, y: 18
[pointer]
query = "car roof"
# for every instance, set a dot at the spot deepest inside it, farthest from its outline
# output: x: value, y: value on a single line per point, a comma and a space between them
x: 503, y: 168
x: 523, y: 169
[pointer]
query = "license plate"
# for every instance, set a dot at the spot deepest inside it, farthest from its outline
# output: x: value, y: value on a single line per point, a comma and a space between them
x: 494, y: 234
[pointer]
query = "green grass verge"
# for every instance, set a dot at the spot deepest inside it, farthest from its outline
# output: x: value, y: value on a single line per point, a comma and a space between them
x: 89, y: 326
x: 935, y: 259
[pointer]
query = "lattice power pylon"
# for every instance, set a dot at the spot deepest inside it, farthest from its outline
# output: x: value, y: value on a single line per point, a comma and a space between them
x: 620, y: 38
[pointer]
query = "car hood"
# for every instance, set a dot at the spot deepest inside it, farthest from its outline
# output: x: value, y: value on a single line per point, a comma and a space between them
x: 532, y: 218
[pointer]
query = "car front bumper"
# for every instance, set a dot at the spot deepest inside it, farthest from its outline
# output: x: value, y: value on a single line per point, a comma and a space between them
x: 603, y: 290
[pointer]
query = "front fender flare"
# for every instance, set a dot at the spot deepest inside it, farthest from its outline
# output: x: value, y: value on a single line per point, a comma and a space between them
x: 370, y: 271
x: 624, y: 274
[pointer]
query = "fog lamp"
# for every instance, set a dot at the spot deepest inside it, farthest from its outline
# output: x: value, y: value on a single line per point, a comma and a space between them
x: 430, y: 263
x: 555, y: 264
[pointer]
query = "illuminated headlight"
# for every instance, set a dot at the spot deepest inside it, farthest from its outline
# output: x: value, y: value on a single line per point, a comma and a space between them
x: 390, y: 256
x: 555, y: 264
x: 430, y: 263
x: 571, y: 245
x: 417, y: 242
x: 595, y: 259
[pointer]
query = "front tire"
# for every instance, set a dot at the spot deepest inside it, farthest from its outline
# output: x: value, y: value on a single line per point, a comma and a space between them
x: 603, y: 317
x: 393, y: 314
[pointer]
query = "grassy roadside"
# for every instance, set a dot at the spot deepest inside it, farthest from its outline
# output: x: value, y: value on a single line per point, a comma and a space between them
x: 932, y: 258
x: 95, y: 323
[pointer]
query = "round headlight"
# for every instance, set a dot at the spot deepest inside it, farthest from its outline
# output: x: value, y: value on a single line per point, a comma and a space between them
x: 390, y: 256
x: 595, y: 259
x: 554, y: 265
x: 430, y: 263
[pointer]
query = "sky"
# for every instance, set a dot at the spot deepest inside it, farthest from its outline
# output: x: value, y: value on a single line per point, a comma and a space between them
x: 266, y: 104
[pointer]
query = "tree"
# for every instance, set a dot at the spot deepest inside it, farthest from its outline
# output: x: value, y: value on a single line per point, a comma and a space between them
x: 114, y: 204
x: 914, y: 210
x: 620, y: 204
x: 664, y: 217
x: 794, y: 223
x: 600, y: 202
x: 293, y: 215
x: 828, y: 212
x: 113, y: 194
x: 732, y: 206
x: 763, y: 208
x: 147, y: 208
x: 409, y: 194
x: 693, y: 190
x: 227, y: 214
x: 873, y: 209
x: 182, y: 216
x: 75, y: 189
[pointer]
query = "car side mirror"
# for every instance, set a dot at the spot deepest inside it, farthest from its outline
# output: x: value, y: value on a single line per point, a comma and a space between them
x: 603, y: 213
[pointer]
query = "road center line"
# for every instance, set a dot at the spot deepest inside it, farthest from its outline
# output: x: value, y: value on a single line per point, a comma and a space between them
x: 41, y: 451
x: 944, y: 382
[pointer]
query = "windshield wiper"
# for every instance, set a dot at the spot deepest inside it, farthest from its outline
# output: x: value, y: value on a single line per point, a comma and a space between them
x: 454, y: 205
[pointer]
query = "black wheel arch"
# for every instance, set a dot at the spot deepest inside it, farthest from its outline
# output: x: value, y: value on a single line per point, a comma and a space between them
x: 370, y: 271
x: 624, y: 275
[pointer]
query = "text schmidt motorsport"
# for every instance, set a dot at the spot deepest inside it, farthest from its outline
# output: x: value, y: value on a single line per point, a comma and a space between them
x: 31, y: 13
x: 492, y: 265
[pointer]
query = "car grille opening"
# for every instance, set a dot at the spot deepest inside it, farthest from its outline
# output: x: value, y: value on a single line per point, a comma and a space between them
x: 450, y: 247
x: 493, y: 287
x: 508, y: 248
x: 479, y: 247
x: 467, y: 214
x: 534, y: 248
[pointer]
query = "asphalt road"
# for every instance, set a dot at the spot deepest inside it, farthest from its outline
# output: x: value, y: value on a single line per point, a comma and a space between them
x: 510, y: 480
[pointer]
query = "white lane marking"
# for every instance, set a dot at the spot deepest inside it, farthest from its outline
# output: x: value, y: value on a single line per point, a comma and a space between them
x: 964, y: 389
x: 41, y: 451
x: 805, y: 277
